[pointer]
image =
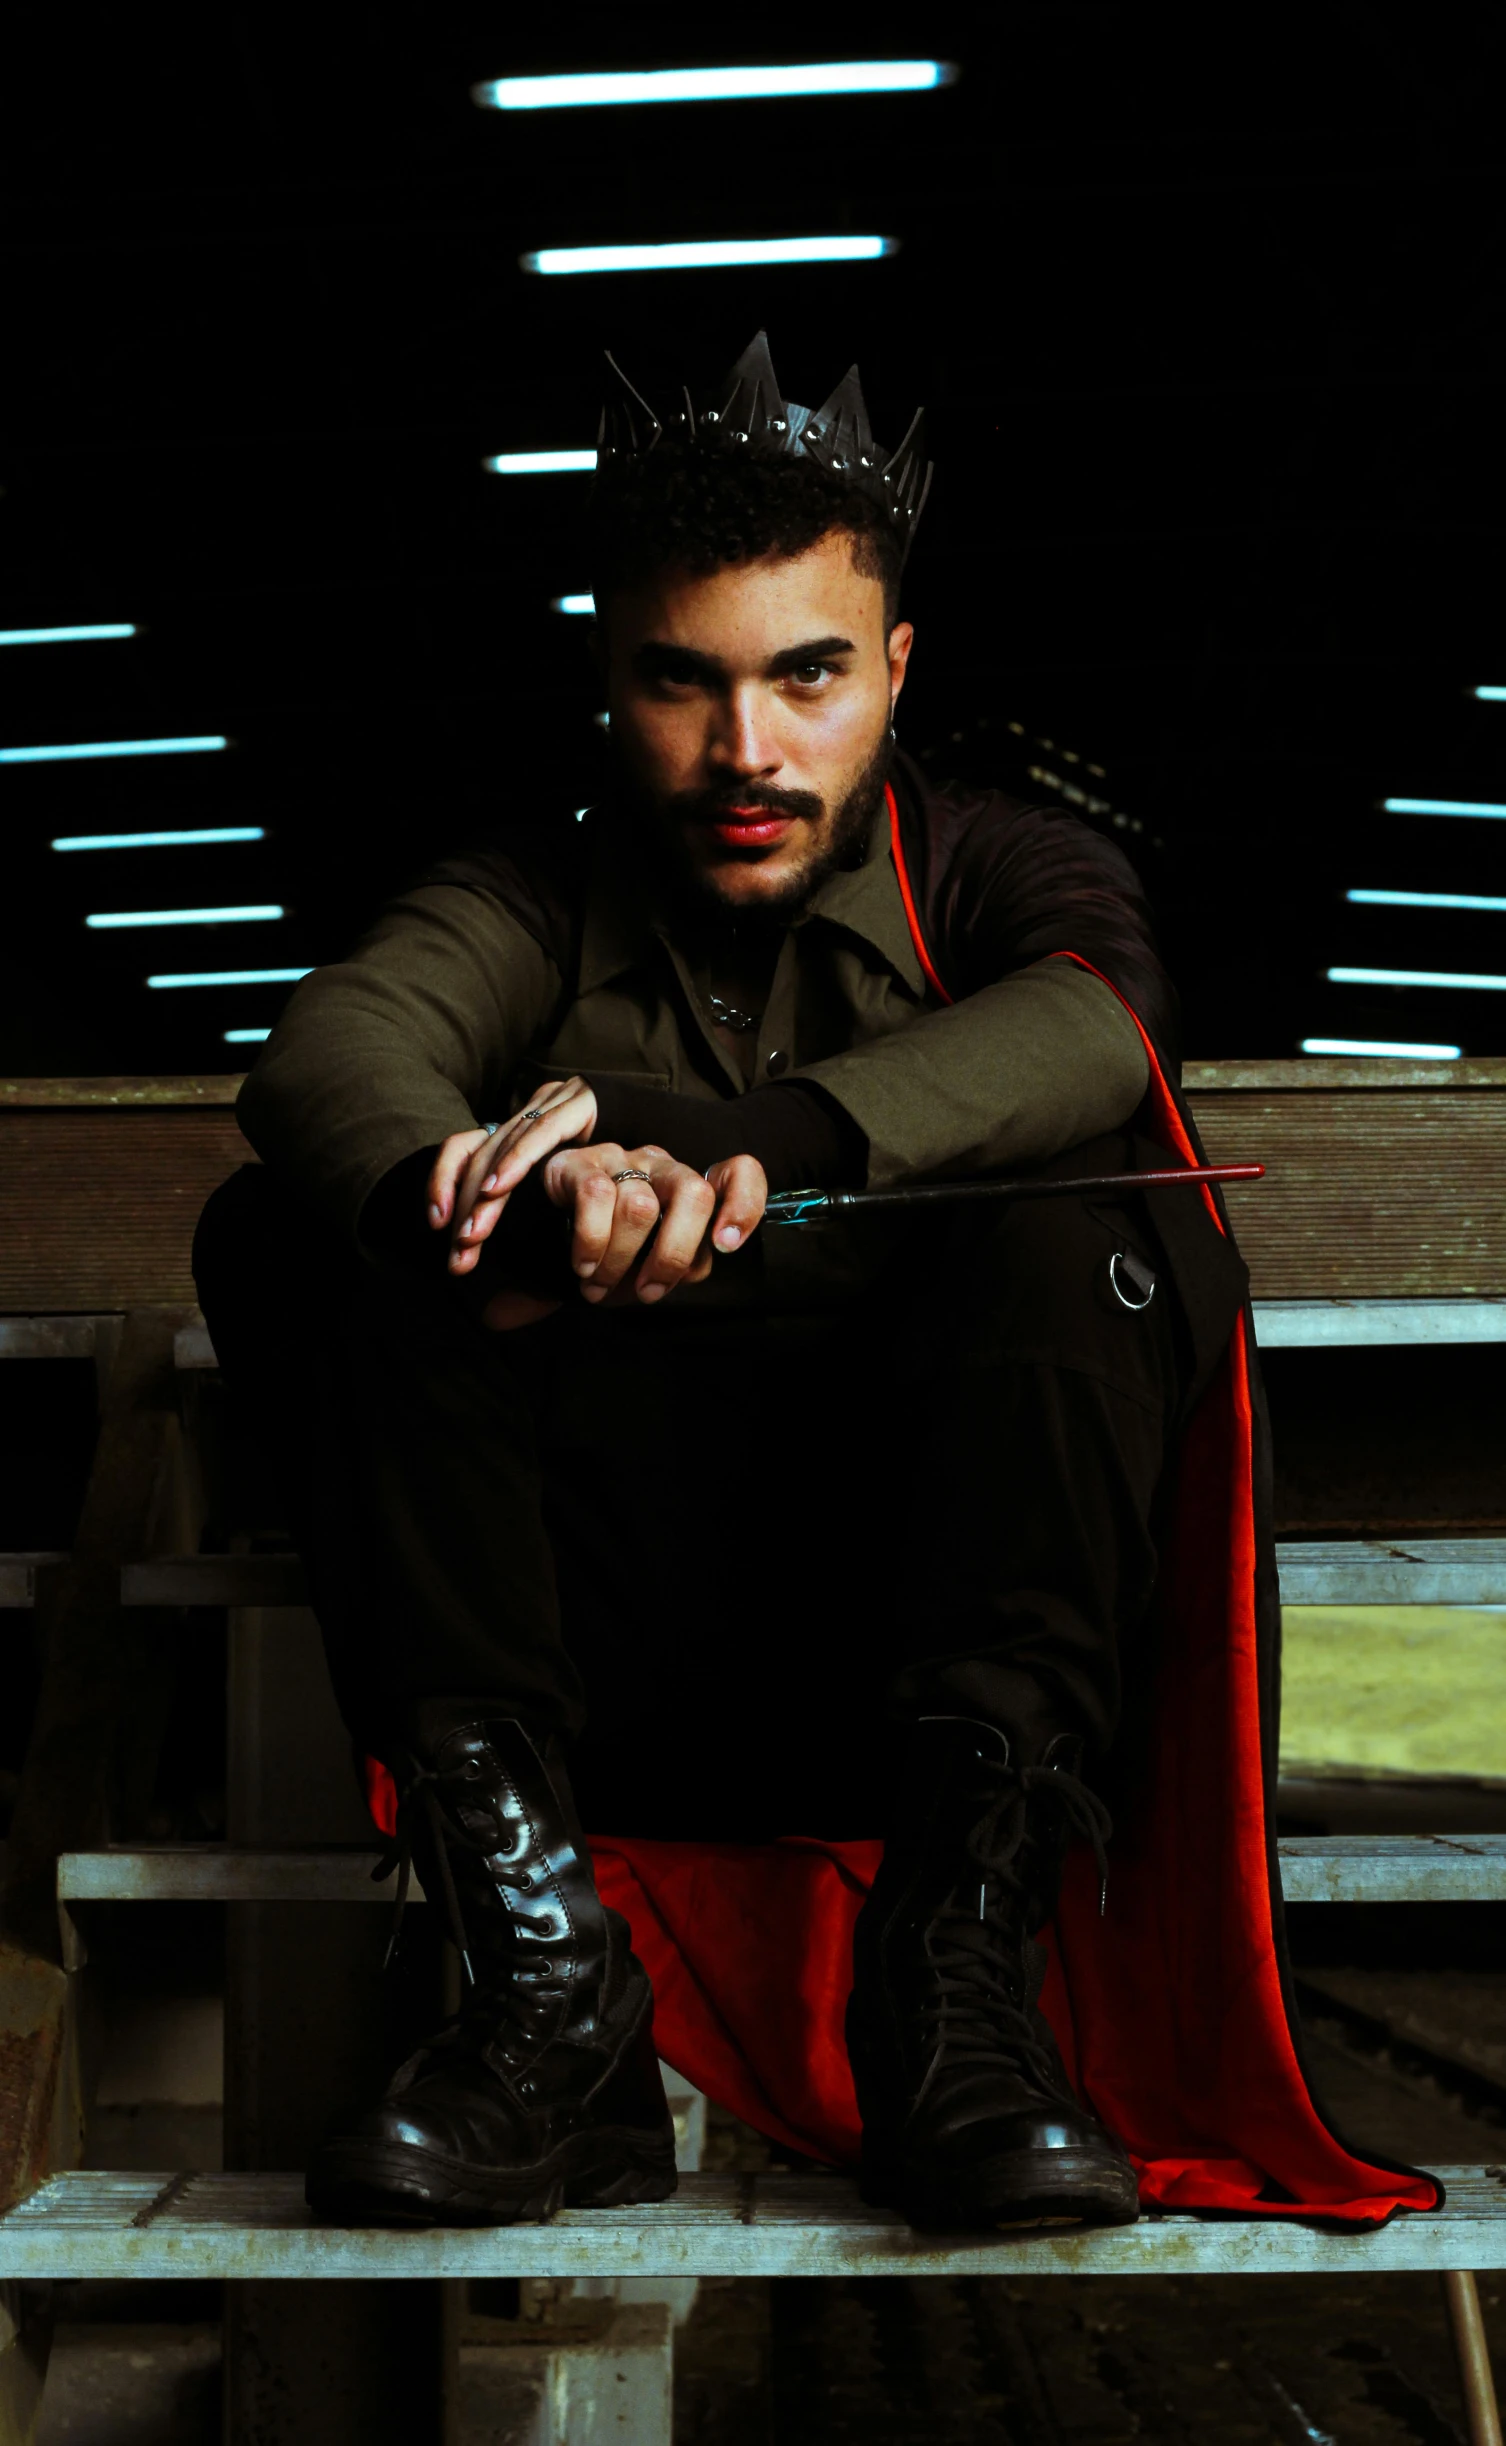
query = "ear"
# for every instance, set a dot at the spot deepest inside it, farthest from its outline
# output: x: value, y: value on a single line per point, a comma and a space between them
x: 901, y: 638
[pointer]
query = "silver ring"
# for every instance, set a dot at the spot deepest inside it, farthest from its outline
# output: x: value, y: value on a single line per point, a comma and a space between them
x: 632, y: 1176
x: 491, y: 1127
x: 535, y: 1113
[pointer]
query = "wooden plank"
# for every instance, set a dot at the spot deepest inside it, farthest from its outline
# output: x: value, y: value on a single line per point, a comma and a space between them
x: 98, y: 1203
x: 1315, y: 1074
x: 1413, y: 1571
x: 1314, y: 1868
x: 72, y: 1095
x: 1367, y: 1195
x: 1393, y: 1868
x: 230, y: 2226
x: 215, y: 1579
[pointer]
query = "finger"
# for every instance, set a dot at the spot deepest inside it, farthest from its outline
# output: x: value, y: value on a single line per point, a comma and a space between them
x: 635, y: 1215
x: 742, y: 1192
x: 587, y: 1189
x: 562, y: 1122
x: 448, y: 1166
x: 490, y: 1177
x: 686, y: 1203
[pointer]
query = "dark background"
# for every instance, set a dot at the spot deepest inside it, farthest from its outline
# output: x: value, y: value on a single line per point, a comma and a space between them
x: 1205, y: 309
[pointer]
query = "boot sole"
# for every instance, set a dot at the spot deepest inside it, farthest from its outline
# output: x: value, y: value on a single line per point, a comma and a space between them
x: 1025, y: 2188
x: 361, y: 2183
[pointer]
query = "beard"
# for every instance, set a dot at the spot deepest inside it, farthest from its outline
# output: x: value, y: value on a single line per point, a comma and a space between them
x: 841, y: 842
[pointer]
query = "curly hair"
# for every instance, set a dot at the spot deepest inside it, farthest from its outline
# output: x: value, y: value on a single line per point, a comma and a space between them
x: 712, y: 503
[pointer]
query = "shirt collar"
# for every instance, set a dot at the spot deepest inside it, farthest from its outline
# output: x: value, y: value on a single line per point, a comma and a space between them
x: 622, y: 921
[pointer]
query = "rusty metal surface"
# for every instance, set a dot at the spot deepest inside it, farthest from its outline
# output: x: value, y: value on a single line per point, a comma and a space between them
x: 98, y: 1206
x: 1383, y: 1195
x: 41, y: 2113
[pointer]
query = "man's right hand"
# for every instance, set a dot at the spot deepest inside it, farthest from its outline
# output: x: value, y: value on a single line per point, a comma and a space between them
x: 688, y: 1217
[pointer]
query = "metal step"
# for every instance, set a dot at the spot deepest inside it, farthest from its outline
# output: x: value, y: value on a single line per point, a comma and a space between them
x: 1280, y: 1324
x: 1401, y: 1571
x: 1314, y: 1868
x: 18, y: 1576
x: 1411, y: 1571
x: 216, y: 1872
x: 215, y: 1579
x: 1393, y: 1868
x: 244, y: 2225
x: 1333, y: 1324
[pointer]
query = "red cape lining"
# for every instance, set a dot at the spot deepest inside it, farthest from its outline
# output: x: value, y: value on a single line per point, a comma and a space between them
x: 1169, y: 2010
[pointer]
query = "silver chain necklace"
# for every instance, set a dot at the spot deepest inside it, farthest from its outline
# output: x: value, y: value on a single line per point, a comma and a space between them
x: 727, y: 1015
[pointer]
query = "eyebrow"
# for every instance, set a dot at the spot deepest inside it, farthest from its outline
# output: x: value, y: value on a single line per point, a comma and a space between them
x: 656, y: 660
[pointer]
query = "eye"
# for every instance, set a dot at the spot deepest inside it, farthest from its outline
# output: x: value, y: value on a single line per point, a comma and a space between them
x: 811, y: 674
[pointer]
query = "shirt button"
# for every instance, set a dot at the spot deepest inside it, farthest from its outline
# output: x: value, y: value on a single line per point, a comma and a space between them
x: 777, y: 1062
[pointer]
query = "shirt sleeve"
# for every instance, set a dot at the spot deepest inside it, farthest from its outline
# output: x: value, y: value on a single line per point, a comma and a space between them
x: 415, y: 1035
x: 1015, y: 1073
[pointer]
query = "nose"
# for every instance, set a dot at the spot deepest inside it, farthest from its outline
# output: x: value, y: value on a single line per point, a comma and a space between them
x: 742, y: 740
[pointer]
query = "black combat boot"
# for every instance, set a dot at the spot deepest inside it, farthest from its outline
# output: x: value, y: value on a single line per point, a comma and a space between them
x: 969, y: 2120
x: 545, y: 2089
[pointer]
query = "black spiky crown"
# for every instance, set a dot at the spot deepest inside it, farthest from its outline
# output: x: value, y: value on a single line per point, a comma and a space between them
x: 747, y: 406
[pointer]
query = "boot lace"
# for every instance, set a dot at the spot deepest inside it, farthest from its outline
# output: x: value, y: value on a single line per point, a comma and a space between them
x: 976, y: 2012
x: 421, y: 1792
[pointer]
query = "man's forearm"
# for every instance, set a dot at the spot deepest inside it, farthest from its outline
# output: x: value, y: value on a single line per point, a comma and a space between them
x: 1013, y: 1075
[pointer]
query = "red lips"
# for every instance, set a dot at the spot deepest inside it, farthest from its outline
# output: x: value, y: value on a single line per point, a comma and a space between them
x: 750, y: 827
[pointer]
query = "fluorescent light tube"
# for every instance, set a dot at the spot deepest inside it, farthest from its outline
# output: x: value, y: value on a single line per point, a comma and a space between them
x: 1490, y: 696
x: 115, y: 747
x: 1446, y: 980
x: 231, y: 976
x: 1366, y: 1044
x: 247, y: 1036
x: 585, y: 604
x: 1427, y: 900
x: 1442, y: 806
x: 68, y: 636
x: 160, y: 840
x: 595, y: 87
x: 188, y: 917
x: 706, y: 254
x: 541, y: 463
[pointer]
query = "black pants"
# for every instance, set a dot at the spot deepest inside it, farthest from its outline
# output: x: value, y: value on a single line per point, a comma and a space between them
x: 726, y: 1548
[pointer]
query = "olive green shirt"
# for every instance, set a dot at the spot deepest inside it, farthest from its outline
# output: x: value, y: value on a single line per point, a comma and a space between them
x: 448, y: 1012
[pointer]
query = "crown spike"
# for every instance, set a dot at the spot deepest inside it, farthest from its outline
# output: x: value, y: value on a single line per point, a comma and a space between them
x: 628, y: 424
x: 750, y: 406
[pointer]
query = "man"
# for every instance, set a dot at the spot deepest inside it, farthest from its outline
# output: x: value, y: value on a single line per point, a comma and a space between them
x: 829, y: 1534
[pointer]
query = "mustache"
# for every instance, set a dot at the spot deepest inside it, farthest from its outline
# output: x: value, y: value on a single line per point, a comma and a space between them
x: 714, y: 806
